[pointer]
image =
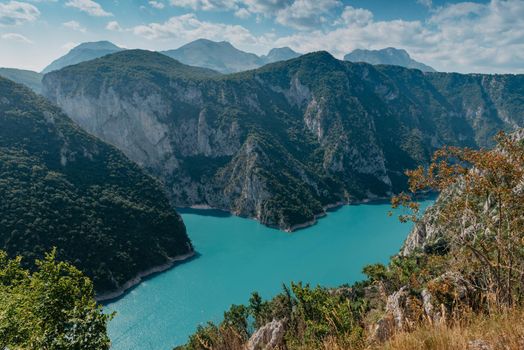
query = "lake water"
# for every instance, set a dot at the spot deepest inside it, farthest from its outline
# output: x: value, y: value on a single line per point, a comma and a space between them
x: 238, y: 256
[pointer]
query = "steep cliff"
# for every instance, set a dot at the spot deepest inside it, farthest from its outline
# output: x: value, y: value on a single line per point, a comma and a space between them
x: 281, y: 142
x: 61, y: 187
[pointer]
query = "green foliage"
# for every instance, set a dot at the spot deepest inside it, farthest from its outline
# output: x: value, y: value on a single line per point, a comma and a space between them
x: 52, y: 308
x: 321, y: 313
x: 312, y: 315
x: 480, y: 215
x: 61, y: 187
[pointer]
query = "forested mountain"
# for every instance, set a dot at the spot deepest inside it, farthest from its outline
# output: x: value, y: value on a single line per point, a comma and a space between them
x: 224, y: 57
x: 282, y: 142
x: 31, y: 79
x: 61, y: 187
x: 390, y: 56
x: 81, y: 53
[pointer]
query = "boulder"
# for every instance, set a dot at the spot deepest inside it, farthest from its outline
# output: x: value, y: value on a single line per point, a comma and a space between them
x: 268, y: 337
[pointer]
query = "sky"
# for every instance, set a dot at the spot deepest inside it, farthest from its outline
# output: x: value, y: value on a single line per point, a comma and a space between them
x: 484, y: 36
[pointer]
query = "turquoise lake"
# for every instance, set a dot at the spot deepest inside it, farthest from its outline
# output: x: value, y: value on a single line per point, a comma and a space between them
x: 238, y: 256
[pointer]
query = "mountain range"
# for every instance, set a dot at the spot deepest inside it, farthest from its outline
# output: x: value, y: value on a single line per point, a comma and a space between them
x: 81, y: 53
x: 282, y: 142
x: 220, y: 56
x: 31, y: 79
x: 63, y: 188
x: 224, y: 57
x: 390, y: 56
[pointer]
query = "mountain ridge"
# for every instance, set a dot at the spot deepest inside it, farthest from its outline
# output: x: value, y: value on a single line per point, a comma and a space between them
x: 282, y: 142
x: 224, y: 57
x: 389, y: 56
x: 29, y: 78
x: 81, y: 53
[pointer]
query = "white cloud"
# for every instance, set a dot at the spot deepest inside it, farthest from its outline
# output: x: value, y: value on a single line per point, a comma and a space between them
x: 156, y: 4
x: 184, y: 28
x: 464, y: 37
x: 15, y: 12
x: 16, y: 37
x: 206, y: 4
x: 355, y: 16
x: 456, y: 11
x: 89, y: 6
x: 74, y: 25
x: 266, y: 7
x: 113, y: 25
x: 426, y: 3
x: 306, y: 14
x: 298, y: 14
x: 242, y: 13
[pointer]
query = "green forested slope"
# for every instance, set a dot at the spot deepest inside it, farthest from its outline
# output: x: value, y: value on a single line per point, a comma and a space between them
x: 61, y: 187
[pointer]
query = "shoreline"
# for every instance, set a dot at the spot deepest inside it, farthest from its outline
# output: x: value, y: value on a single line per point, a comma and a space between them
x: 326, y: 209
x: 135, y: 281
x: 332, y: 207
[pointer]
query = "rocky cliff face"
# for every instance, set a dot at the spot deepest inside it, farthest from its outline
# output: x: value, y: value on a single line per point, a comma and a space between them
x: 281, y: 142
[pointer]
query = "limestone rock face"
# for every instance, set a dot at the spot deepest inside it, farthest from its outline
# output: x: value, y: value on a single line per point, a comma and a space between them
x: 394, y: 318
x: 268, y: 337
x: 282, y: 142
x: 426, y: 231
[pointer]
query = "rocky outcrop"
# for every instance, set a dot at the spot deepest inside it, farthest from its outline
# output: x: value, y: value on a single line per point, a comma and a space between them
x: 394, y: 318
x: 268, y: 337
x: 403, y: 311
x: 425, y: 232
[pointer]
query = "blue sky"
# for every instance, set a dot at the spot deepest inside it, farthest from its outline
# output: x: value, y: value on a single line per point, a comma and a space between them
x: 474, y: 36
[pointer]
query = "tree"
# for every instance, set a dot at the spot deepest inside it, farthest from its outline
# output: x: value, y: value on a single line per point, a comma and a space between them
x: 52, y: 308
x: 480, y: 209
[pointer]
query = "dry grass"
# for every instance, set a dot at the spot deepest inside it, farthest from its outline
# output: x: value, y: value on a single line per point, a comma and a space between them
x: 501, y: 332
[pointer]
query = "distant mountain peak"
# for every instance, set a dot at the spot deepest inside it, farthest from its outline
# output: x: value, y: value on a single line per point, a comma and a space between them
x: 224, y: 57
x: 97, y: 45
x: 279, y: 54
x: 208, y: 43
x: 285, y: 49
x: 388, y: 55
x: 221, y: 56
x: 84, y: 52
